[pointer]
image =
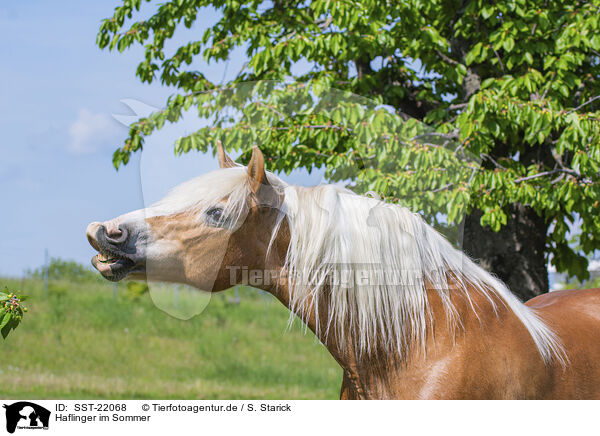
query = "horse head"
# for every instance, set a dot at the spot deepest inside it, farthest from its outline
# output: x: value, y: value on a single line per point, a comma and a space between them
x: 205, y: 232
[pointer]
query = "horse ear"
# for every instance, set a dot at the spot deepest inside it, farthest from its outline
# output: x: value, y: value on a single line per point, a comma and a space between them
x: 224, y: 160
x: 256, y: 170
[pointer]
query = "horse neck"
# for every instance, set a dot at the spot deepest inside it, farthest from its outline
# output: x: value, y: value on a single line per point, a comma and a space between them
x: 344, y: 353
x: 381, y: 374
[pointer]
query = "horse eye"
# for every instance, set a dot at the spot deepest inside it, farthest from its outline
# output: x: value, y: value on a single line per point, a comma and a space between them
x: 215, y: 215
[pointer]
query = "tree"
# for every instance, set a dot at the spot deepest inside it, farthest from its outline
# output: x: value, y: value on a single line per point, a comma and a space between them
x: 64, y: 270
x: 514, y: 83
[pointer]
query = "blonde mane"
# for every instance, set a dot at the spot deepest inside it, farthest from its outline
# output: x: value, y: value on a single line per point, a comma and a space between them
x: 371, y: 261
x: 380, y: 257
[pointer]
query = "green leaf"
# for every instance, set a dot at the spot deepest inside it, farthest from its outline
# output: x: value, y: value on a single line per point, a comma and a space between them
x: 5, y: 320
x: 487, y: 82
x: 473, y: 55
x: 508, y: 44
x: 564, y: 90
x: 6, y: 329
x: 487, y: 11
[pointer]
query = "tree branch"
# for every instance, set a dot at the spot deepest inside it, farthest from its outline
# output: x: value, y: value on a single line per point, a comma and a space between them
x: 453, y: 107
x: 447, y: 58
x: 441, y: 188
x: 451, y: 135
x: 583, y: 104
x: 491, y: 159
x: 548, y: 173
x: 500, y: 60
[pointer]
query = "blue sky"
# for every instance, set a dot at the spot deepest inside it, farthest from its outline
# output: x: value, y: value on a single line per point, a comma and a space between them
x: 58, y: 94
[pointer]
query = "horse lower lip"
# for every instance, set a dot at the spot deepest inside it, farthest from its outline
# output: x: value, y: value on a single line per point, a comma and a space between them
x: 113, y: 268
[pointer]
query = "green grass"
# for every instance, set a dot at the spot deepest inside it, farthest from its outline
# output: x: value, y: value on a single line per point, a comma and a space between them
x: 79, y: 342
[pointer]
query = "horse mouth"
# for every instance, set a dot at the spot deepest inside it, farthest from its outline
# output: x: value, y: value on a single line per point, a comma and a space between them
x: 113, y: 262
x: 112, y: 266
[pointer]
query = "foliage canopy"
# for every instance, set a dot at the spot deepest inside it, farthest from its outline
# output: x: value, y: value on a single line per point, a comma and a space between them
x: 515, y: 83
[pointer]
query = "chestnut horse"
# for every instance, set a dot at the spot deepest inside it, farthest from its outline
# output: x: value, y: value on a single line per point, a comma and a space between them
x: 405, y: 314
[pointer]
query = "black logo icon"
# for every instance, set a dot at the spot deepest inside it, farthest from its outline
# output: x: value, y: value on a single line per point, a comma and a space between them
x: 24, y: 414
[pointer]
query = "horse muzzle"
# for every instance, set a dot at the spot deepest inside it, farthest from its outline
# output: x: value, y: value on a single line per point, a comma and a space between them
x: 119, y: 249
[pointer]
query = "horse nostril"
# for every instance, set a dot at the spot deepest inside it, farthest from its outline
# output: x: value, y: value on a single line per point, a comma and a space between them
x: 116, y: 234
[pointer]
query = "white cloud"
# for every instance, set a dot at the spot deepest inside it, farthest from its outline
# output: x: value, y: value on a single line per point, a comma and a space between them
x: 92, y: 131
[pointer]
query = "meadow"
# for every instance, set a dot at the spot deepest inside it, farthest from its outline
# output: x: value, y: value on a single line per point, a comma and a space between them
x: 79, y: 341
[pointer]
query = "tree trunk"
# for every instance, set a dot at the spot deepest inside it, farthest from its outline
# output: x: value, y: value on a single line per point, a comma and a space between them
x: 515, y: 254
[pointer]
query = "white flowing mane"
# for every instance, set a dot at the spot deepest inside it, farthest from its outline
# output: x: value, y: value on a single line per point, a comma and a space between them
x: 370, y: 260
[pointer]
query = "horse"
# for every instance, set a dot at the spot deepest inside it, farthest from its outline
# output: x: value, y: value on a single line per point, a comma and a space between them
x: 403, y: 312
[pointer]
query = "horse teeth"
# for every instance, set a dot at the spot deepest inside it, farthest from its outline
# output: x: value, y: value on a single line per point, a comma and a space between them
x: 105, y: 258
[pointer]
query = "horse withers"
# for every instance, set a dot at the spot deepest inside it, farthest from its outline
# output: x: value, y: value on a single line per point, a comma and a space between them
x: 405, y: 314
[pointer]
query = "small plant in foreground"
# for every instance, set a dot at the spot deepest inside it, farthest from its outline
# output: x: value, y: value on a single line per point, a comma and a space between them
x: 11, y: 311
x: 136, y: 289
